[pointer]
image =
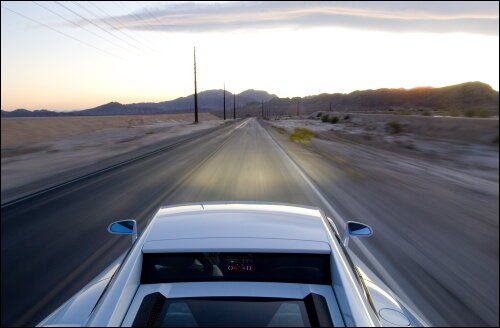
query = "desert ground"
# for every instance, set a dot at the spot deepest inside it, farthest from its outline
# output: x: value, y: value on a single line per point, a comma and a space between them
x: 428, y: 187
x: 466, y: 144
x: 38, y: 149
x: 429, y: 191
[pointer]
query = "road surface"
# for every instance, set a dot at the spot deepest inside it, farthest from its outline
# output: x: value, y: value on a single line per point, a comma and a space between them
x: 53, y: 244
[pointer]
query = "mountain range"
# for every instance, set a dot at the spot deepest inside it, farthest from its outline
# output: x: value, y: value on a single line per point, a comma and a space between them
x: 475, y: 95
x: 210, y: 100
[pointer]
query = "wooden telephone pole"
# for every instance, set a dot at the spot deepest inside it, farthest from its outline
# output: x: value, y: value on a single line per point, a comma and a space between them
x: 298, y: 103
x: 224, y: 101
x: 234, y: 106
x: 195, y: 91
x: 262, y: 109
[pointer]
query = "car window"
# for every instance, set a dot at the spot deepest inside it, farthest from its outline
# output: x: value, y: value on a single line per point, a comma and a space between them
x: 158, y: 311
x: 270, y: 267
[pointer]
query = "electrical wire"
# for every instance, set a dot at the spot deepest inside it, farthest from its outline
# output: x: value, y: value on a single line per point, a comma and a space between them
x: 60, y: 32
x: 116, y: 20
x: 77, y: 25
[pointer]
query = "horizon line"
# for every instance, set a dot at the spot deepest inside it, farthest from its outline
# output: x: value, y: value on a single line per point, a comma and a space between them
x: 312, y: 95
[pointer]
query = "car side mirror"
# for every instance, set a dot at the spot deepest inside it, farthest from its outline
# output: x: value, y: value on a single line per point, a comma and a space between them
x: 356, y: 229
x: 124, y: 227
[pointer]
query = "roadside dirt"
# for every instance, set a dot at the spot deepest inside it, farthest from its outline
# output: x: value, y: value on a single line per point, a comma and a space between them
x: 469, y: 145
x: 38, y: 149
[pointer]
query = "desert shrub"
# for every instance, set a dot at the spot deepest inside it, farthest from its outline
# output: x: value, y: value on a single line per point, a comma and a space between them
x: 477, y: 112
x: 469, y: 113
x: 301, y: 135
x: 410, y: 146
x: 319, y: 114
x: 347, y: 117
x: 483, y: 113
x: 426, y: 113
x: 279, y: 129
x: 333, y: 119
x: 324, y: 118
x: 394, y: 127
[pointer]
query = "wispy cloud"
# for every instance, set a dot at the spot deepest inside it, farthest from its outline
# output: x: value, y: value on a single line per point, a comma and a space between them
x: 415, y: 16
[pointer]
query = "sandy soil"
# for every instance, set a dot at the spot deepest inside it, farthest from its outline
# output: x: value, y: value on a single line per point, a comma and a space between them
x: 25, y: 132
x: 435, y: 219
x: 466, y: 144
x: 35, y: 149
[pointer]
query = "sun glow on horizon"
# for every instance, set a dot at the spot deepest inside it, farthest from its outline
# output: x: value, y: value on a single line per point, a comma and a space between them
x: 43, y: 70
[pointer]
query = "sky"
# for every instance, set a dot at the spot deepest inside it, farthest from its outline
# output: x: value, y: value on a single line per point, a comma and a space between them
x: 70, y: 55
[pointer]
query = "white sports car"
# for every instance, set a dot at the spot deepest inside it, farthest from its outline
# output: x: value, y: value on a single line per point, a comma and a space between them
x: 235, y: 264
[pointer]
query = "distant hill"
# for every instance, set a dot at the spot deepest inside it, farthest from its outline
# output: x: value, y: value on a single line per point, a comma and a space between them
x: 213, y: 100
x: 460, y: 97
x: 28, y: 113
x: 210, y: 100
x: 256, y: 95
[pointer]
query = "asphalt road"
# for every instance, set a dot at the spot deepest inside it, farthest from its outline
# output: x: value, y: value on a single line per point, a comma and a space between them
x: 53, y: 244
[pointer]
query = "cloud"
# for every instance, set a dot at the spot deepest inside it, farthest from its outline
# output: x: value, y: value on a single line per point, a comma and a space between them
x: 415, y: 16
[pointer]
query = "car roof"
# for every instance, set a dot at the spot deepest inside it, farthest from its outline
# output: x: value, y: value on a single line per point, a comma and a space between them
x: 237, y: 227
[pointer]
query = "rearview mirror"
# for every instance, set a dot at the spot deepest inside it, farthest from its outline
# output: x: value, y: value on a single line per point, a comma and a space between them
x: 356, y: 229
x: 124, y: 227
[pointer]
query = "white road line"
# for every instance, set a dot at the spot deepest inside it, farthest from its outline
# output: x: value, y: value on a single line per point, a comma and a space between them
x: 242, y: 124
x: 366, y: 252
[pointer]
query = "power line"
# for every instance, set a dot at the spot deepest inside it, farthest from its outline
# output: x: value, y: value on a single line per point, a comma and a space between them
x: 112, y: 17
x: 150, y: 14
x: 122, y: 5
x: 131, y: 12
x: 112, y: 27
x: 128, y: 11
x: 86, y: 19
x: 66, y: 35
x: 77, y: 25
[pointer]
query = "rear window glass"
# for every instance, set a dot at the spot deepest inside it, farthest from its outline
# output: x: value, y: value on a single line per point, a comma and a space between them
x: 158, y: 311
x: 269, y: 267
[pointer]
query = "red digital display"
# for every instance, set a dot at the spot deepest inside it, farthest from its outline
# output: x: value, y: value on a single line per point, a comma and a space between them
x: 240, y: 268
x: 240, y: 264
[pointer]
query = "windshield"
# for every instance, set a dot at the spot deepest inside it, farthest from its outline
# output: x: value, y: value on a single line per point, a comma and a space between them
x: 158, y: 311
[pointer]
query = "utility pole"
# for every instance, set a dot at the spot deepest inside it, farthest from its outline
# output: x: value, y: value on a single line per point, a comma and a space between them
x: 224, y: 101
x: 234, y: 106
x: 195, y: 91
x: 262, y: 109
x: 298, y: 103
x: 330, y: 107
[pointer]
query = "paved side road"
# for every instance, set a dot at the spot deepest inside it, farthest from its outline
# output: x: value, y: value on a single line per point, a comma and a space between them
x: 54, y: 244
